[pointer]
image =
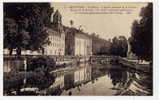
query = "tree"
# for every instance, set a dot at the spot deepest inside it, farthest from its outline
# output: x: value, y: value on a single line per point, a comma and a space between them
x: 37, y: 75
x: 119, y: 46
x: 71, y: 22
x: 123, y: 46
x: 141, y: 34
x: 104, y: 50
x: 10, y: 34
x: 41, y: 63
x: 31, y: 20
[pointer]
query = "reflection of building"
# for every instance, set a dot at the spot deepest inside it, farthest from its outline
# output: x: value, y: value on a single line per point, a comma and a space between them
x: 59, y: 82
x: 77, y: 42
x: 69, y: 80
x: 56, y: 37
x: 83, y: 75
x: 74, y: 78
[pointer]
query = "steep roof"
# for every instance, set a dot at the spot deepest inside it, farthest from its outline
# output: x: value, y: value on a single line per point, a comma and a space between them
x: 57, y: 14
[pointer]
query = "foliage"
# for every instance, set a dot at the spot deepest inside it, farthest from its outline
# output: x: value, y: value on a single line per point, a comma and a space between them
x: 39, y: 79
x: 118, y: 76
x: 14, y: 81
x: 71, y: 22
x: 28, y: 24
x: 119, y: 46
x: 104, y: 50
x: 100, y: 46
x: 11, y: 29
x: 37, y: 75
x: 41, y: 63
x: 141, y: 34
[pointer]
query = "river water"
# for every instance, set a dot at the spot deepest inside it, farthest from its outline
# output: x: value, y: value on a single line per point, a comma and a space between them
x: 101, y: 80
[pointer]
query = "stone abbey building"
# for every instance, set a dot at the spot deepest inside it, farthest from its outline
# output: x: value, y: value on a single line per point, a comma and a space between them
x: 67, y: 41
x: 56, y: 37
x: 77, y: 43
x: 63, y: 40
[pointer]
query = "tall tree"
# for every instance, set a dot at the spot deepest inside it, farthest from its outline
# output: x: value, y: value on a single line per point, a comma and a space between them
x: 71, y: 23
x: 31, y: 19
x: 141, y: 34
x: 119, y: 46
x: 10, y: 34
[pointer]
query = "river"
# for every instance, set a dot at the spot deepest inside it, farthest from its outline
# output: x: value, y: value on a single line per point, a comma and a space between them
x: 101, y: 80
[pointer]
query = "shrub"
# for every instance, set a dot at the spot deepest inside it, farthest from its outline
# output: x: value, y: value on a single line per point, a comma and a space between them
x: 39, y: 79
x: 44, y: 63
x: 14, y: 81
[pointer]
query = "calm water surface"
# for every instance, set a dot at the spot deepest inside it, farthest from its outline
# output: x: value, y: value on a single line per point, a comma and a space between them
x: 104, y: 80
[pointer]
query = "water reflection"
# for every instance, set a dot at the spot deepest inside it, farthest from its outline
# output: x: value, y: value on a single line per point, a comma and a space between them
x: 119, y: 76
x: 88, y: 79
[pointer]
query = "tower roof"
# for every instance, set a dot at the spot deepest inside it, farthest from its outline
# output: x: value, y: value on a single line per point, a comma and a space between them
x: 57, y: 14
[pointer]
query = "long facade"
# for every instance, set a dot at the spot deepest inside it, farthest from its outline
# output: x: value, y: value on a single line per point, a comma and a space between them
x: 77, y: 43
x: 83, y: 45
x: 63, y: 40
x: 56, y: 46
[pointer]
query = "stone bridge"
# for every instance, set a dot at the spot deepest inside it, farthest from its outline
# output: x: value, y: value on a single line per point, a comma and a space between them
x: 103, y: 59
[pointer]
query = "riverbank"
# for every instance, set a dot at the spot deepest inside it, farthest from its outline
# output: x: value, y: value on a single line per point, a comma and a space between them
x: 147, y: 67
x: 114, y: 79
x: 87, y: 79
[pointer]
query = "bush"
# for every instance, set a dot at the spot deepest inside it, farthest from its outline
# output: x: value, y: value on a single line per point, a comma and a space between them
x: 37, y: 75
x: 44, y: 63
x: 39, y: 79
x: 14, y: 81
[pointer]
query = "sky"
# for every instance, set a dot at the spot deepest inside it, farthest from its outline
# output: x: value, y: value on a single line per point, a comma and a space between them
x: 105, y: 24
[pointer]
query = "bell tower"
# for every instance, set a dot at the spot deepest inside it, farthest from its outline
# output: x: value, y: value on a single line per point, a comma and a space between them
x: 57, y: 21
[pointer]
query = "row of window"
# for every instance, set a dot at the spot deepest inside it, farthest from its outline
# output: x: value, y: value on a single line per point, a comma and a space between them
x: 56, y: 44
x: 56, y: 38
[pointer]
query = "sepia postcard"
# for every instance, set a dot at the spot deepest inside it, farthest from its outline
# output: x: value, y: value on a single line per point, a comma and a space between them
x: 78, y: 49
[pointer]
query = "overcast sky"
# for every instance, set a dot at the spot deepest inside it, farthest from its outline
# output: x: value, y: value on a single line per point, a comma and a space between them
x: 106, y: 25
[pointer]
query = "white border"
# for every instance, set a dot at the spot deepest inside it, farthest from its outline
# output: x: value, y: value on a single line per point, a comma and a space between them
x: 155, y: 57
x: 78, y: 0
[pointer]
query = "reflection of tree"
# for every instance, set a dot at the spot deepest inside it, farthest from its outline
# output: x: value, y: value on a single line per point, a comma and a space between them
x: 128, y: 82
x: 118, y: 76
x: 136, y: 84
